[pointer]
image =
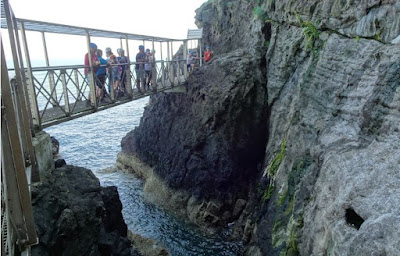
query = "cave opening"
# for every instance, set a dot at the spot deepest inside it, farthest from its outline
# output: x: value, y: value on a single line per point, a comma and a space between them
x: 353, y: 219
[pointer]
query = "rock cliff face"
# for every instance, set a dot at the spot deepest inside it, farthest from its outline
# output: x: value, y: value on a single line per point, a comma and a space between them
x: 75, y: 216
x: 294, y: 124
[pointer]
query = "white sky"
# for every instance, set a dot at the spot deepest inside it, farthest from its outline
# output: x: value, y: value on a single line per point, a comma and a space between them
x: 164, y: 18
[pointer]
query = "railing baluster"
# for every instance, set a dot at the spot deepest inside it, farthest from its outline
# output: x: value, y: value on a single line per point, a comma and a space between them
x: 185, y: 49
x: 78, y: 91
x: 171, y: 69
x: 178, y: 72
x: 162, y: 73
x: 65, y: 89
x: 112, y: 92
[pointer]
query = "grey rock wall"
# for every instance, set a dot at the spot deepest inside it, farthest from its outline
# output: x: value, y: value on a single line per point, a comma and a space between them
x: 326, y: 77
x: 336, y: 105
x: 207, y: 141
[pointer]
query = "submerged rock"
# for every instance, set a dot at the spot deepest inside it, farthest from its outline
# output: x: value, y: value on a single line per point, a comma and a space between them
x: 75, y: 216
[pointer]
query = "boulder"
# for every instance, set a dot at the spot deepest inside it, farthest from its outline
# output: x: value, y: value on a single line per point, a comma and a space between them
x: 75, y: 216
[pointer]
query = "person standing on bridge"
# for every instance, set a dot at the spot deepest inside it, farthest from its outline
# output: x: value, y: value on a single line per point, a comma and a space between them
x: 190, y: 61
x: 139, y: 69
x: 108, y: 54
x: 95, y: 64
x: 101, y: 76
x: 123, y: 60
x: 148, y: 67
x: 95, y: 60
x: 207, y: 54
x: 116, y: 75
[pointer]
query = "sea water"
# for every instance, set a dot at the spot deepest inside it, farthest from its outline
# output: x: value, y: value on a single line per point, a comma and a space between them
x: 93, y: 142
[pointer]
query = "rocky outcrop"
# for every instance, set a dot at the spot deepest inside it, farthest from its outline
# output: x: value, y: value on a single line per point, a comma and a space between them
x: 75, y: 216
x: 206, y: 141
x: 309, y: 91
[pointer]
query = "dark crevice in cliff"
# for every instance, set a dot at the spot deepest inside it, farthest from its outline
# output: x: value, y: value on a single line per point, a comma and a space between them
x: 353, y: 219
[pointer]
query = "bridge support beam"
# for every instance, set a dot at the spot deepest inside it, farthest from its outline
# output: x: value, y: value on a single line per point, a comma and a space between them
x: 51, y: 73
x: 23, y: 116
x: 18, y: 203
x: 30, y: 83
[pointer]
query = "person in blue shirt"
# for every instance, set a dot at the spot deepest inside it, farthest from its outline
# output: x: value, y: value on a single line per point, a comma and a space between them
x: 100, y: 75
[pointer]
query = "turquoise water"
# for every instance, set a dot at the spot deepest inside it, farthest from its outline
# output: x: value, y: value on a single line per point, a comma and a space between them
x: 93, y: 142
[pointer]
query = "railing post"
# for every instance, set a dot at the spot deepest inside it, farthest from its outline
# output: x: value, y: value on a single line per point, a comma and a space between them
x: 51, y: 73
x: 24, y: 119
x: 112, y: 92
x: 162, y: 67
x: 201, y: 53
x: 178, y: 71
x: 27, y: 113
x: 185, y: 50
x: 128, y: 84
x: 31, y: 86
x: 65, y: 89
x: 13, y: 163
x: 171, y: 70
x: 78, y: 90
x: 91, y: 75
x: 154, y: 70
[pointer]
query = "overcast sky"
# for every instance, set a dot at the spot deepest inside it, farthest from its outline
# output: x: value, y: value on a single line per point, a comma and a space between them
x: 164, y: 18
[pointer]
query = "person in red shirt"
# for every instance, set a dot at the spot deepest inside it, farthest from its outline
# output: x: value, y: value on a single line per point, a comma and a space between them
x: 95, y: 60
x: 207, y: 54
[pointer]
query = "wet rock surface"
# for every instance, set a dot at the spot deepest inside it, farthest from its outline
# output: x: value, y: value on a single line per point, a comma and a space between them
x: 75, y: 216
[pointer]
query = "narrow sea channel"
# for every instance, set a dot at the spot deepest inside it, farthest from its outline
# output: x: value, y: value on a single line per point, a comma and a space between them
x: 93, y: 142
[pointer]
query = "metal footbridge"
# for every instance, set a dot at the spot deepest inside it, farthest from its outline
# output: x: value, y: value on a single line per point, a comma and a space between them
x: 33, y: 98
x: 60, y: 93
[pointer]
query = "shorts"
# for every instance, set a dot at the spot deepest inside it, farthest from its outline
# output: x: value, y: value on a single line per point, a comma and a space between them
x: 139, y: 73
x: 115, y: 75
x: 100, y: 80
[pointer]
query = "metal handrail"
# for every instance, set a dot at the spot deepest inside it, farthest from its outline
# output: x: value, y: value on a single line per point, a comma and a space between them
x: 68, y: 91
